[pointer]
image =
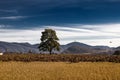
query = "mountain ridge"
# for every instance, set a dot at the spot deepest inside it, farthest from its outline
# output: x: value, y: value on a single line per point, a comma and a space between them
x: 73, y: 47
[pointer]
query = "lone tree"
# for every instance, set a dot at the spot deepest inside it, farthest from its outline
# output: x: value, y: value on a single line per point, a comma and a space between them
x: 49, y: 41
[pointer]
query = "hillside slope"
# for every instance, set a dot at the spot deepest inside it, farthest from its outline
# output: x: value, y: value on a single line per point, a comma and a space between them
x: 74, y: 47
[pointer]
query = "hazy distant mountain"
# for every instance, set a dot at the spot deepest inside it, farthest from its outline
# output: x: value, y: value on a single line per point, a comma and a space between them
x: 77, y: 50
x: 77, y: 44
x: 118, y: 48
x: 101, y: 47
x: 17, y: 47
x: 74, y: 47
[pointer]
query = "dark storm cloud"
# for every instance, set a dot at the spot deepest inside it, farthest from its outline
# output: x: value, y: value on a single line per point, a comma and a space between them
x: 57, y: 12
x: 43, y: 4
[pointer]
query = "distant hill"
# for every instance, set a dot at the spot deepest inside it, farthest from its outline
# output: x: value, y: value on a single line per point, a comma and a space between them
x: 77, y: 50
x: 77, y: 44
x: 74, y: 47
x: 118, y: 48
x: 17, y: 47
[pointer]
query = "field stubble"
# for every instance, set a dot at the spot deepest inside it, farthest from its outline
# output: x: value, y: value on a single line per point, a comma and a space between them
x: 59, y: 71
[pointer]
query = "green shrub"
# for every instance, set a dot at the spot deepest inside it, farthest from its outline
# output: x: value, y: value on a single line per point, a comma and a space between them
x: 117, y: 52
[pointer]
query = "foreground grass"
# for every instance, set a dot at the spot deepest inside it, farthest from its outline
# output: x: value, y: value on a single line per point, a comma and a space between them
x: 59, y: 71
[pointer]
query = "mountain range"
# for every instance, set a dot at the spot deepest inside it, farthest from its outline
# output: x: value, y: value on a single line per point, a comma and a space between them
x: 73, y: 48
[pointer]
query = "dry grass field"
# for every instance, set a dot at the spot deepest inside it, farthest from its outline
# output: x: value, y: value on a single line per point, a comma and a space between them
x: 59, y: 71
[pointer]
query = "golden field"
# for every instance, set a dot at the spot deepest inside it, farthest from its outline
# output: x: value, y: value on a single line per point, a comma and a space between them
x: 59, y: 71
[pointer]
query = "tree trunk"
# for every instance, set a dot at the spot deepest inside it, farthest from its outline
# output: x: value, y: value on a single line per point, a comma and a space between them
x: 50, y: 51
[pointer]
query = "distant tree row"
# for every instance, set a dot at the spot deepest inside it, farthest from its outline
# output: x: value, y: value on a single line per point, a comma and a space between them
x: 60, y: 58
x: 117, y: 52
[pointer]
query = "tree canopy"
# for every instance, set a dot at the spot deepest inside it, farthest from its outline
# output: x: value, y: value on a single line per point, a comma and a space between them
x: 49, y: 41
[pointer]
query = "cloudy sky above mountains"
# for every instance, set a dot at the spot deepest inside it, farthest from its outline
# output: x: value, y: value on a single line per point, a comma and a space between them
x: 92, y: 22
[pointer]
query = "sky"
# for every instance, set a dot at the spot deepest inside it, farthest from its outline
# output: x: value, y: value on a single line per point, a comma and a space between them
x: 94, y: 22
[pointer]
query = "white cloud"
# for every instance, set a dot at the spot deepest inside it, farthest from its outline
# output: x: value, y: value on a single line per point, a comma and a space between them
x: 12, y: 35
x: 89, y: 34
x: 13, y: 17
x: 8, y: 11
x: 4, y: 26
